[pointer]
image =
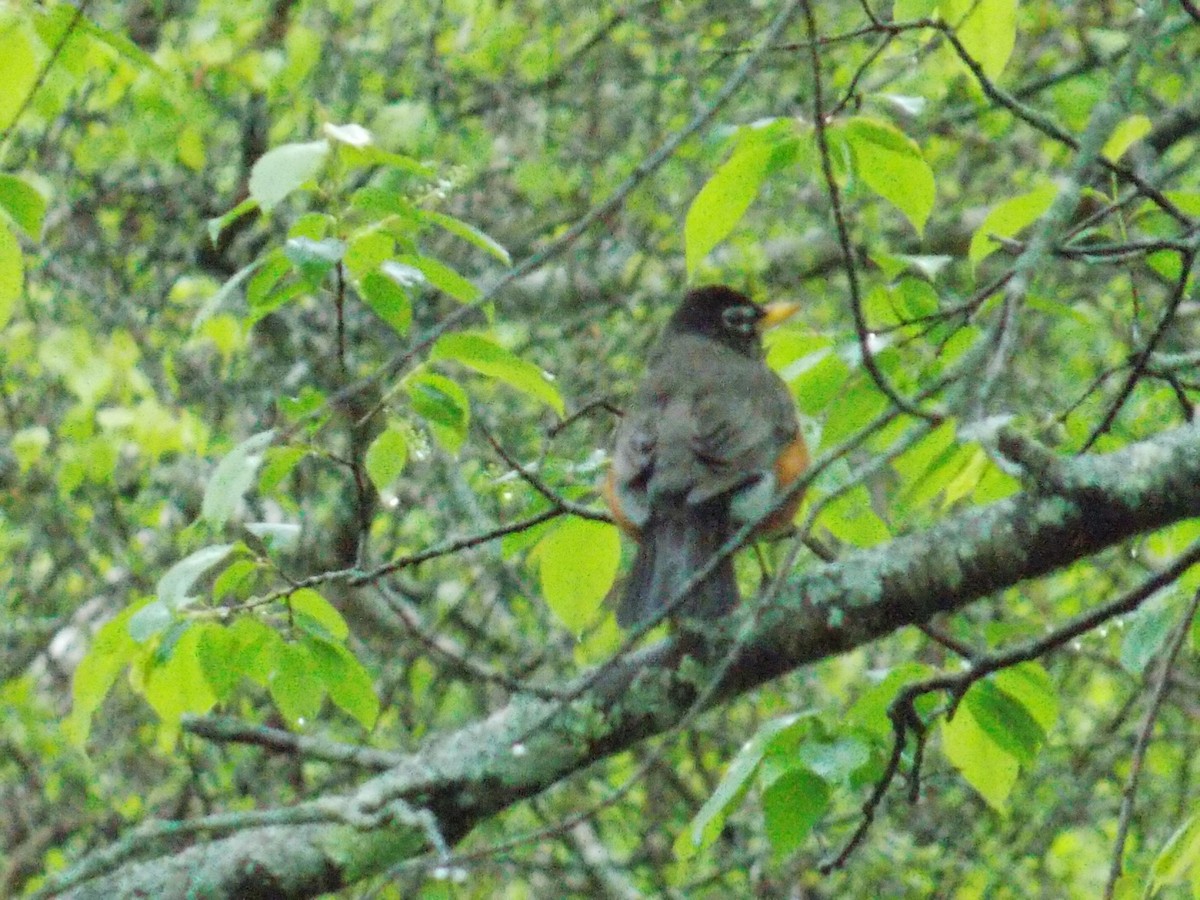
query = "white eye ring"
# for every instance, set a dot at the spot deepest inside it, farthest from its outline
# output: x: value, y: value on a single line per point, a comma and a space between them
x: 741, y: 319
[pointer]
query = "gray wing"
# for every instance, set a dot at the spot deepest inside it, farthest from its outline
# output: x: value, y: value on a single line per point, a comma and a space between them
x: 699, y: 437
x: 739, y: 435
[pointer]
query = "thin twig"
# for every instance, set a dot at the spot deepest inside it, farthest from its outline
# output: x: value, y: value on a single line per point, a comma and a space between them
x: 356, y: 577
x: 1138, y: 367
x: 600, y: 212
x: 584, y: 411
x: 234, y: 731
x: 851, y: 267
x: 457, y: 656
x: 949, y: 641
x: 852, y: 88
x: 1162, y: 682
x: 1049, y: 127
x: 47, y: 66
x: 534, y: 481
x: 903, y: 721
x: 905, y: 718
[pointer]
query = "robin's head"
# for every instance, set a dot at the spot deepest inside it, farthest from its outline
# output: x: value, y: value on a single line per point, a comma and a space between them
x: 725, y: 315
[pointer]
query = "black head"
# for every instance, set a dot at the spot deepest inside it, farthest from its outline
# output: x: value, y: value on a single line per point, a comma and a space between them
x: 722, y: 314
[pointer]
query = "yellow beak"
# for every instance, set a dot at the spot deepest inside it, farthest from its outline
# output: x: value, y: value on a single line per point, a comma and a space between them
x: 776, y: 313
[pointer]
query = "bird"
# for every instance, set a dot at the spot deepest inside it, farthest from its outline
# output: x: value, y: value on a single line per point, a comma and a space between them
x: 709, y: 442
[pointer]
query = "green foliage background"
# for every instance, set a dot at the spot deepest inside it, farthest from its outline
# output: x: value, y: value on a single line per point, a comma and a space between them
x: 313, y: 318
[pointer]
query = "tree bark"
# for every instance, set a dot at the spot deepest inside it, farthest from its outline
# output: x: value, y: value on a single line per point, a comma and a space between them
x: 1070, y: 509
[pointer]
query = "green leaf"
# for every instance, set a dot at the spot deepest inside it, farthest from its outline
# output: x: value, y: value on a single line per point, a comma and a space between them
x: 891, y: 164
x: 987, y: 30
x: 444, y: 406
x: 307, y: 404
x: 380, y: 204
x: 254, y: 650
x: 723, y: 201
x: 313, y: 258
x: 995, y: 484
x: 283, y: 169
x: 178, y: 684
x: 488, y: 358
x: 236, y: 580
x: 817, y: 379
x: 20, y: 70
x: 151, y: 620
x: 296, y: 684
x: 835, y: 761
x: 975, y: 464
x: 280, y: 462
x: 1127, y: 133
x: 859, y: 402
x: 578, y: 564
x: 349, y: 684
x: 850, y: 518
x: 710, y: 818
x: 351, y: 134
x: 1165, y: 264
x: 29, y: 445
x: 219, y: 223
x: 175, y: 583
x: 1005, y: 720
x: 986, y: 766
x: 214, y: 303
x: 1029, y: 684
x: 12, y: 273
x: 216, y: 649
x: 927, y: 454
x: 307, y: 602
x: 706, y: 825
x: 915, y: 298
x: 792, y: 804
x: 24, y: 203
x: 908, y: 10
x: 1147, y: 630
x: 1188, y: 201
x: 190, y: 147
x: 276, y: 536
x: 368, y: 250
x: 442, y: 277
x: 232, y: 478
x: 927, y: 266
x: 385, y: 295
x: 121, y: 45
x: 112, y: 649
x: 791, y: 352
x: 1008, y: 218
x: 870, y: 711
x: 940, y: 475
x: 1179, y: 859
x: 386, y: 456
x: 517, y: 541
x: 372, y: 155
x: 468, y: 233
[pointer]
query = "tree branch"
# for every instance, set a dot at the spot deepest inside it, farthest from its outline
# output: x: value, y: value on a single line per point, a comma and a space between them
x: 465, y: 776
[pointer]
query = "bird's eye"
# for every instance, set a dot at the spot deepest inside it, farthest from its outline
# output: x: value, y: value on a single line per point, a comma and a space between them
x: 741, y: 319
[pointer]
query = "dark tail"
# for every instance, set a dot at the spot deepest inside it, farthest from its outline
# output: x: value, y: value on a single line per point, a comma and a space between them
x: 676, y: 543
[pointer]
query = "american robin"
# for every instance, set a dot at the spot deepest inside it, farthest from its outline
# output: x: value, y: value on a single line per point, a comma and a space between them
x: 708, y: 443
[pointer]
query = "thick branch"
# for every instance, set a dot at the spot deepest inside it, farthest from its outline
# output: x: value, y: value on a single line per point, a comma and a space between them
x: 528, y: 746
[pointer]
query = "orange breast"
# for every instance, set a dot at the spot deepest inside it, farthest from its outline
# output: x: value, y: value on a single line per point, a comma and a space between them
x: 789, y: 466
x: 614, y: 504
